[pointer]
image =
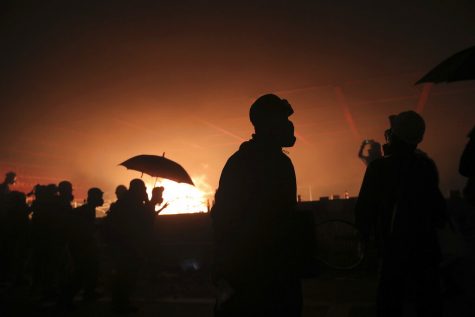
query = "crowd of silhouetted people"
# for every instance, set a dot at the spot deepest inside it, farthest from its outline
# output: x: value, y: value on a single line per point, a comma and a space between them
x: 52, y: 247
x: 259, y: 260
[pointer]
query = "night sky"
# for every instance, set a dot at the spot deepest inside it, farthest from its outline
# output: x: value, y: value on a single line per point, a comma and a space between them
x: 85, y: 86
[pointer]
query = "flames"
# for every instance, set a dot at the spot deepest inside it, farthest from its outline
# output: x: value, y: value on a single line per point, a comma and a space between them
x: 183, y: 198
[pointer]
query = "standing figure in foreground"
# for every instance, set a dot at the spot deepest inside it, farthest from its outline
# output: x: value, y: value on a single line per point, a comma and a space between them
x: 255, y: 270
x: 400, y: 202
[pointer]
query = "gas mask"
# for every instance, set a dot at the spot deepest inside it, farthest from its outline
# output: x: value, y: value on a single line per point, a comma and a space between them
x: 387, y: 147
x: 286, y: 137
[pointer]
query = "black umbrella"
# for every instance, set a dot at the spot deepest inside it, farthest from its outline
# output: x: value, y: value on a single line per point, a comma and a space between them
x: 158, y: 166
x: 460, y: 66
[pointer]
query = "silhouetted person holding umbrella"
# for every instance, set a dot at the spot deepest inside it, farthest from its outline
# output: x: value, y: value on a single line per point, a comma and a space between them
x: 401, y: 204
x: 130, y: 228
x: 255, y: 271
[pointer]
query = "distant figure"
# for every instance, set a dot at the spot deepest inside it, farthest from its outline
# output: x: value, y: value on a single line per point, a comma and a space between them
x: 401, y: 204
x: 255, y: 271
x: 374, y: 151
x: 121, y: 192
x: 83, y: 248
x: 467, y: 168
x: 16, y: 232
x: 65, y: 192
x: 47, y: 239
x: 130, y: 226
x: 62, y: 227
x: 157, y: 198
x: 10, y: 179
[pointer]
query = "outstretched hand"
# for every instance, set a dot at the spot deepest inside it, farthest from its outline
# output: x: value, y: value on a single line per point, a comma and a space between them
x: 163, y: 207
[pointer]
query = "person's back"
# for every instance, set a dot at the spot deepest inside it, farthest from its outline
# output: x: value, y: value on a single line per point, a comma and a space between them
x: 401, y: 201
x: 10, y: 179
x: 17, y: 212
x: 83, y: 250
x: 83, y: 220
x: 256, y: 194
x: 131, y: 223
x: 412, y: 205
x: 16, y: 233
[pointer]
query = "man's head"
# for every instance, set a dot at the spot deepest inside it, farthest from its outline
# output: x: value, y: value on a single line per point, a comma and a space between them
x: 120, y: 192
x: 138, y: 190
x: 94, y: 197
x: 10, y: 178
x: 65, y: 189
x: 270, y: 116
x: 406, y: 131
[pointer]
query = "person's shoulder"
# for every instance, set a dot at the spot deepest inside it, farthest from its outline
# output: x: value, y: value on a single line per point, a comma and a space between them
x: 379, y: 163
x: 242, y: 155
x: 423, y: 159
x: 80, y: 209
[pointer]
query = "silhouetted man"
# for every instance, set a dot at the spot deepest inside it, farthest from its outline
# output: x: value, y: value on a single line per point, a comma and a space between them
x: 16, y: 230
x: 65, y: 193
x: 467, y: 168
x: 130, y: 228
x: 255, y: 272
x: 120, y: 192
x: 400, y: 202
x: 10, y: 179
x: 48, y: 240
x: 83, y: 248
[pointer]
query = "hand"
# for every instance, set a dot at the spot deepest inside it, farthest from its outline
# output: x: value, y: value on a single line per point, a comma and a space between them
x: 163, y: 207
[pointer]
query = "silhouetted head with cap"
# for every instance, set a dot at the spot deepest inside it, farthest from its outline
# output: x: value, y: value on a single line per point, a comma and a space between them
x: 270, y: 116
x: 405, y: 133
x: 138, y: 190
x: 94, y: 197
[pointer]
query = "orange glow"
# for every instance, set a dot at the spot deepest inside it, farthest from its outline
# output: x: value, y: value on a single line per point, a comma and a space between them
x: 183, y: 198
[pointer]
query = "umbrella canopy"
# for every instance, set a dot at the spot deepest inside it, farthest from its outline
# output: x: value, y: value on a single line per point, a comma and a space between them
x: 158, y: 166
x: 460, y: 66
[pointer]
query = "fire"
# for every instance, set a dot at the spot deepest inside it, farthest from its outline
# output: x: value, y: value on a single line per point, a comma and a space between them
x: 183, y: 198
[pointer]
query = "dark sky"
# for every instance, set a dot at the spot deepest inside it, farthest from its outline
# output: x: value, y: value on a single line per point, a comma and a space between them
x: 85, y: 85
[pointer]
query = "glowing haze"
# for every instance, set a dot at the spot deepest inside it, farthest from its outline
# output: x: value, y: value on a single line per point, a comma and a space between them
x: 183, y: 198
x: 86, y: 86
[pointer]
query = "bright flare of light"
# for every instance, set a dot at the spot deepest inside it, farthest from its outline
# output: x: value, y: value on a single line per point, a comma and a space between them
x: 183, y: 198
